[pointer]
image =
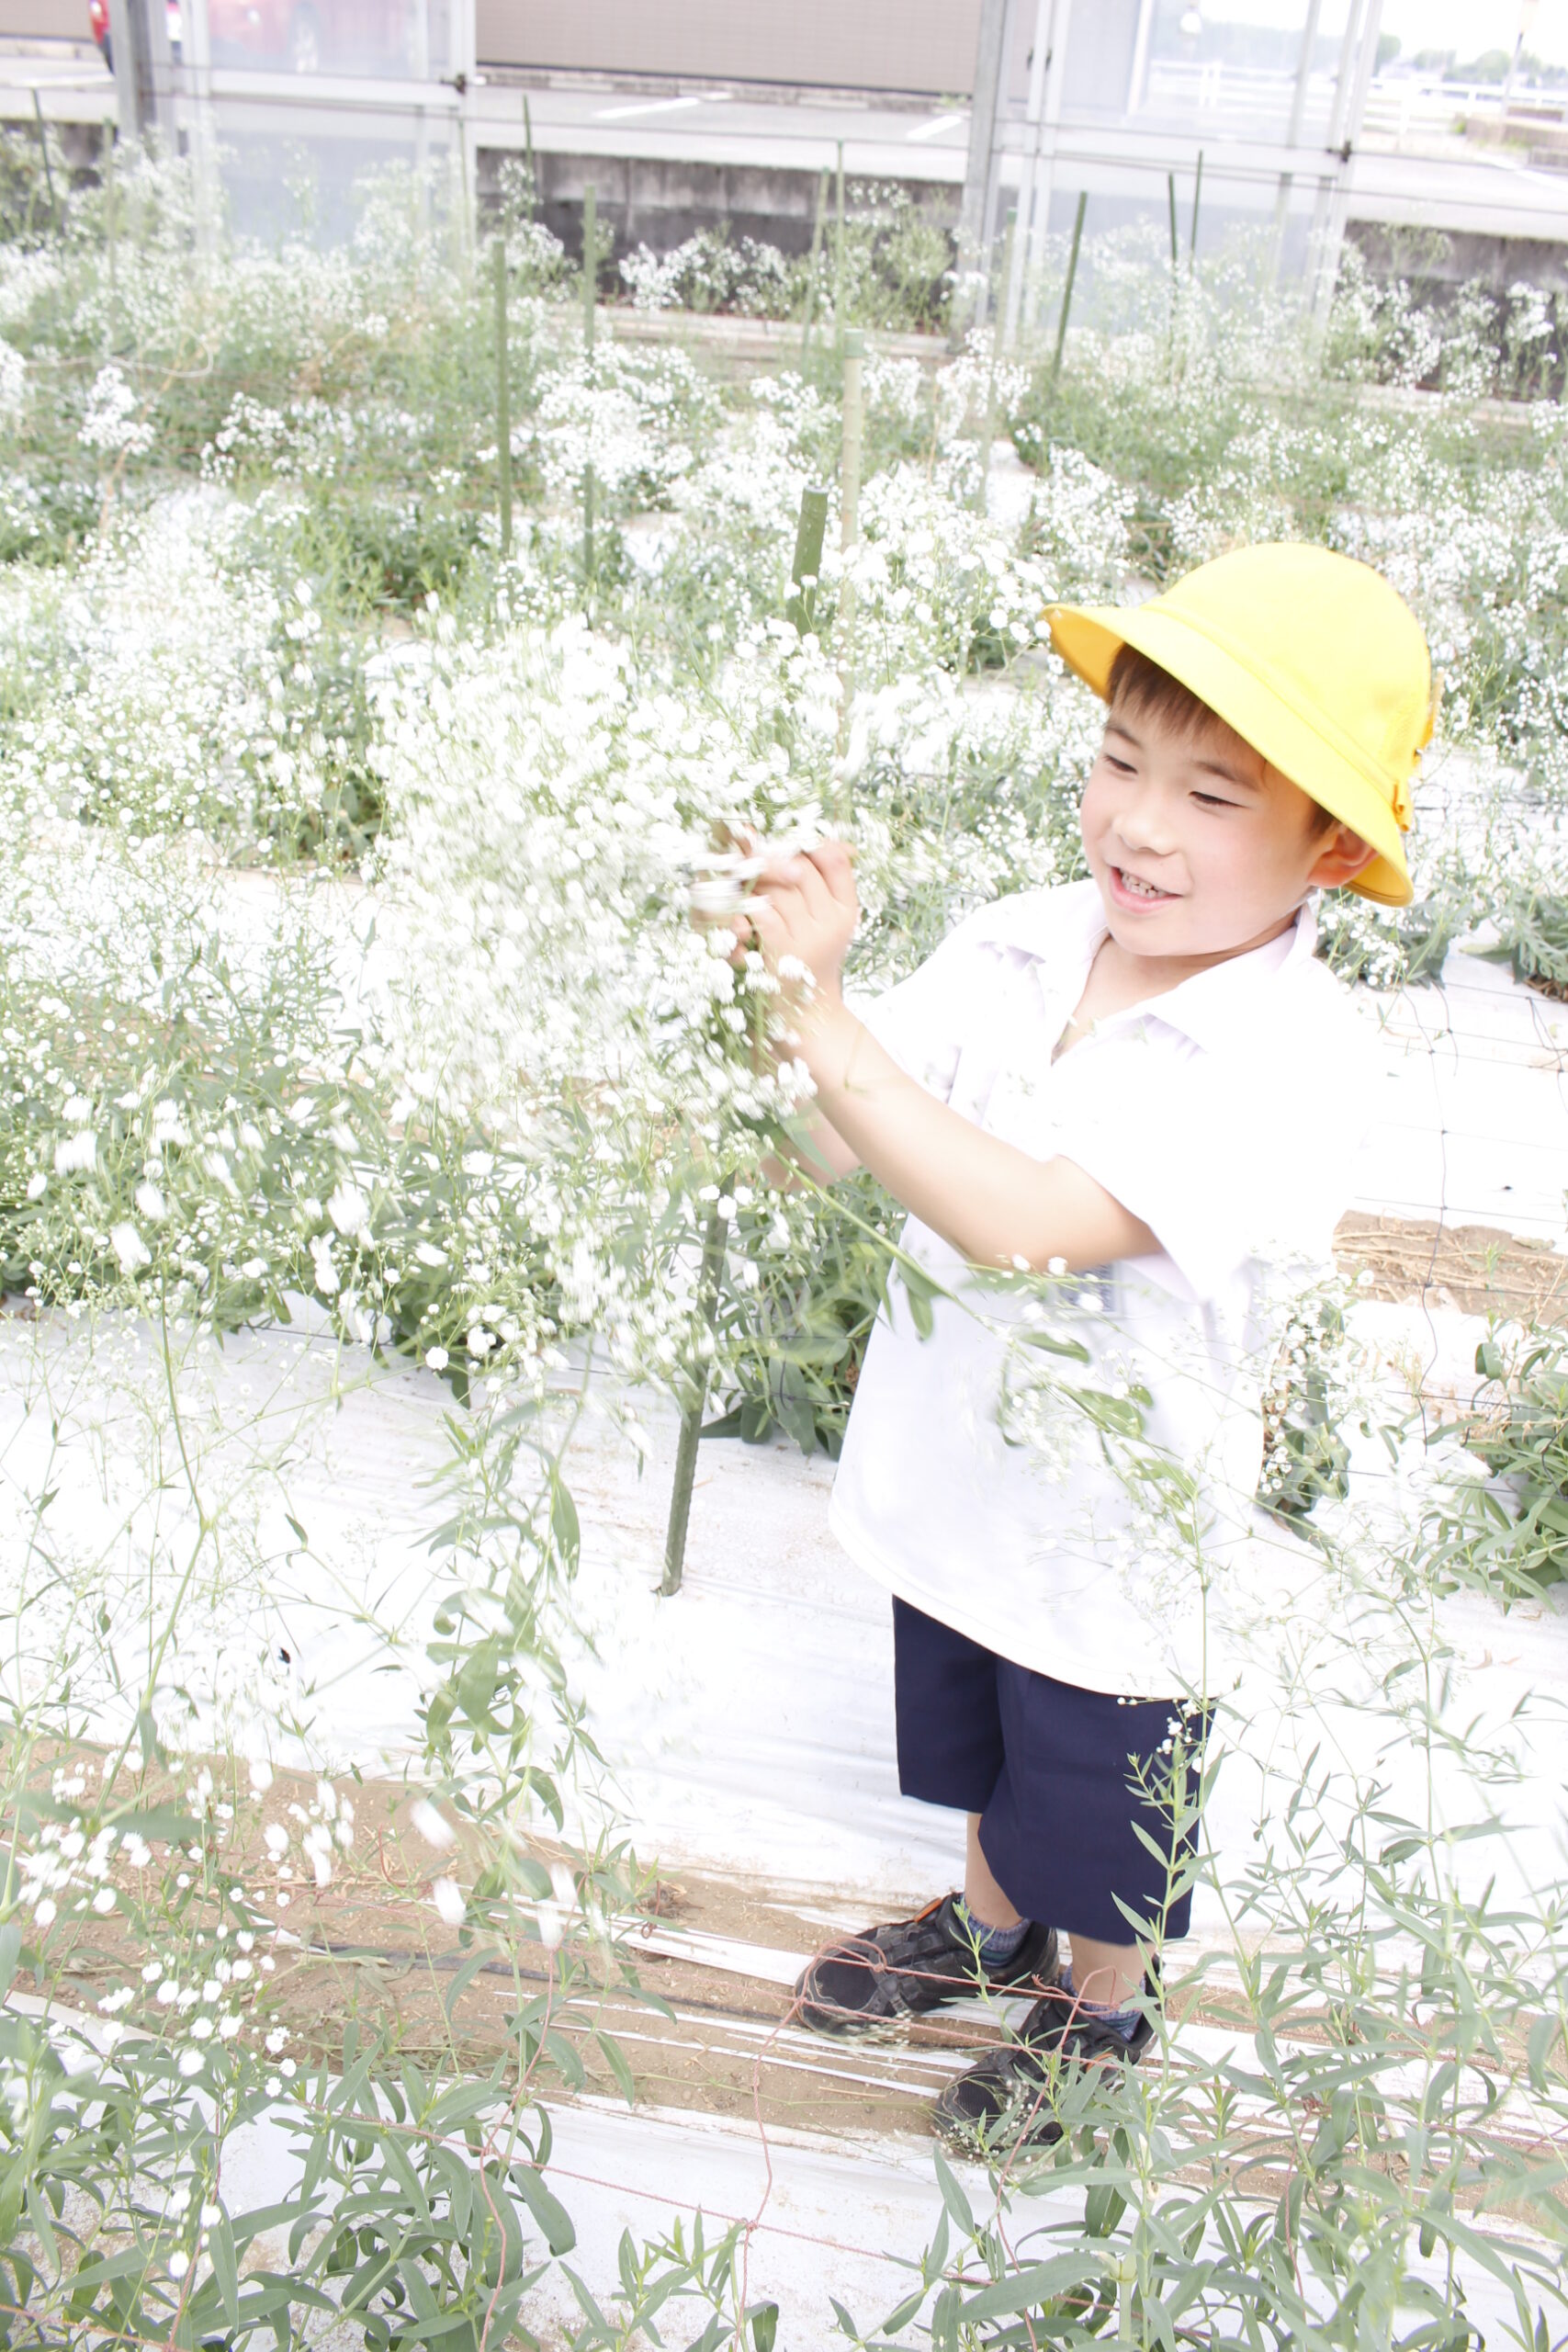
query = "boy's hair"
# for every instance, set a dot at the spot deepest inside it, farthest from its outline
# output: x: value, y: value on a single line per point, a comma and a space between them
x: 1137, y: 684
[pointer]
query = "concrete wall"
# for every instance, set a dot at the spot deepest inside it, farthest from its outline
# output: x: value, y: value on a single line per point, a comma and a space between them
x: 919, y: 45
x: 1437, y: 262
x: 661, y: 203
x: 43, y: 19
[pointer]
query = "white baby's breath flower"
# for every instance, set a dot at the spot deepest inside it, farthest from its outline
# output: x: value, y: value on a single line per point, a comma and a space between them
x: 432, y: 1826
x: 449, y: 1898
x: 151, y: 1202
x: 129, y: 1248
x: 77, y: 1154
x: 348, y: 1207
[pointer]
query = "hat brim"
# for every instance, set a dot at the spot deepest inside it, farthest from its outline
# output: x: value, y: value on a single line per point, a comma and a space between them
x: 1089, y: 638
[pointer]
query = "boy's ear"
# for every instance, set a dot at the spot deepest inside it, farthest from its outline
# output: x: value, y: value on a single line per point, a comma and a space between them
x: 1343, y: 855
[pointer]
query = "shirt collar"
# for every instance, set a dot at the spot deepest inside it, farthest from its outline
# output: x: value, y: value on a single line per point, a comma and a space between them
x: 1215, y: 1007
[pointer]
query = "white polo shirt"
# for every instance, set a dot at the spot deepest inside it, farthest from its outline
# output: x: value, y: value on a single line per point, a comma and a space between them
x: 1068, y: 1477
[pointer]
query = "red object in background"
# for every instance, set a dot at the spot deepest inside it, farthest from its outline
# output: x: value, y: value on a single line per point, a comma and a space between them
x: 98, y: 17
x: 302, y: 36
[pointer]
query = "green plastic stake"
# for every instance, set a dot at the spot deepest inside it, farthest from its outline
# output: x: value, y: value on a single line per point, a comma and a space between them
x: 590, y: 290
x: 1067, y: 289
x: 1170, y: 190
x: 502, y: 399
x: 810, y: 533
x: 111, y: 211
x: 1197, y: 199
x: 692, y: 1418
x: 528, y: 151
x: 811, y: 277
x: 43, y: 144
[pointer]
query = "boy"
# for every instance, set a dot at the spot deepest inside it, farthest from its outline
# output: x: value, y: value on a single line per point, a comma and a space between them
x: 1144, y: 1085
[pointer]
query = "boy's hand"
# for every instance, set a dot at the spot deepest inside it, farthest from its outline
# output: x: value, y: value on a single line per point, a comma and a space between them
x: 802, y: 916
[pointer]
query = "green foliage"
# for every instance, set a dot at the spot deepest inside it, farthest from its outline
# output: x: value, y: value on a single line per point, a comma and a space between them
x: 794, y: 1343
x: 1306, y: 1458
x: 1509, y: 1533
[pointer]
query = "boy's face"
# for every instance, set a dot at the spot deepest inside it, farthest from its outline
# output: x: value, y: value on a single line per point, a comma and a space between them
x: 1199, y: 847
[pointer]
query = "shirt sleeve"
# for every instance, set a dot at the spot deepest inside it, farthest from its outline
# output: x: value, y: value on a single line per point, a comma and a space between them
x: 1224, y: 1161
x: 922, y: 1020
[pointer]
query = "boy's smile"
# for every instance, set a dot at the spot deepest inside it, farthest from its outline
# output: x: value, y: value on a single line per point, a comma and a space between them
x: 1199, y: 849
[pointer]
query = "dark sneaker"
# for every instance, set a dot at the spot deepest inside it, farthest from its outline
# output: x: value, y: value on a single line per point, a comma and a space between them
x: 872, y: 1983
x: 1010, y: 2099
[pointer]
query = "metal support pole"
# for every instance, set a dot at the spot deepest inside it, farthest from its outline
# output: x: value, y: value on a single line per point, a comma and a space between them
x: 990, y: 66
x: 196, y: 63
x: 1034, y: 214
x: 1297, y: 124
x: 1356, y: 108
x: 1338, y: 115
x: 143, y: 69
x: 1138, y: 76
x: 1025, y: 232
x: 992, y: 226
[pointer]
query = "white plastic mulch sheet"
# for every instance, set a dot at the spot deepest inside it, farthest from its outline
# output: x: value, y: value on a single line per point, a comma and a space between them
x: 747, y: 1723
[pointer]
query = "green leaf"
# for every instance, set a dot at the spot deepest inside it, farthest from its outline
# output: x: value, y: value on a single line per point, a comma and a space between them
x: 564, y: 1524
x: 764, y: 2318
x: 616, y: 2058
x: 1037, y: 2282
x: 10, y: 1953
x: 1074, y: 1350
x: 551, y: 2215
x: 953, y: 2196
x: 225, y: 2268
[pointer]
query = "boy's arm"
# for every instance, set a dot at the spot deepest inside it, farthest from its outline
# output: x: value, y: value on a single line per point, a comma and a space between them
x: 828, y: 1159
x: 994, y: 1204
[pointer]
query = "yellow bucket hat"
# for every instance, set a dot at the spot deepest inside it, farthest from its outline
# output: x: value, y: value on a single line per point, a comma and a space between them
x: 1313, y: 658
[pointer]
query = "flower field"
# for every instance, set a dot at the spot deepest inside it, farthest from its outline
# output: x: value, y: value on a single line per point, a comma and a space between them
x: 402, y: 1893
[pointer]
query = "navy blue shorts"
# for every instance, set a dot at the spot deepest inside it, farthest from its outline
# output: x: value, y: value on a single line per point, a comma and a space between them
x: 1052, y: 1772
